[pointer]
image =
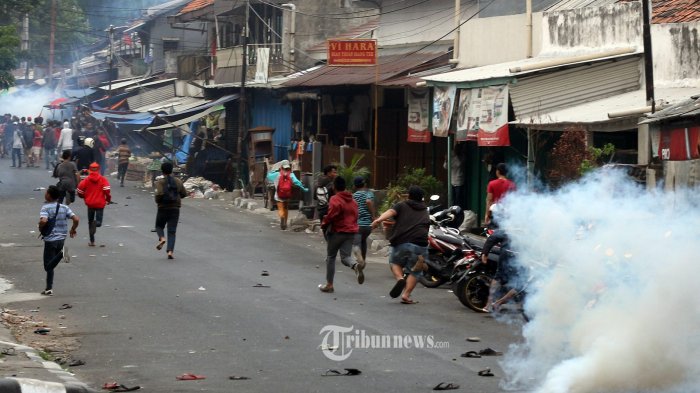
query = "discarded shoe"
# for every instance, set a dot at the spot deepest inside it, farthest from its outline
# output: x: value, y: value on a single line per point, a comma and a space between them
x: 470, y: 354
x: 260, y: 286
x: 42, y: 331
x: 76, y: 363
x: 115, y: 387
x: 336, y: 373
x: 237, y: 378
x: 189, y: 377
x: 398, y: 288
x: 490, y: 352
x: 65, y: 306
x: 446, y: 386
x: 485, y: 373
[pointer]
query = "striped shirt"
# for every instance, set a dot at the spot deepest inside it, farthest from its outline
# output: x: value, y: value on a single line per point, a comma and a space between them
x: 364, y: 217
x: 60, y: 230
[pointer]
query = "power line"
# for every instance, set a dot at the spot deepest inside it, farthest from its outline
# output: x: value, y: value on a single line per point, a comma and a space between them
x: 348, y: 17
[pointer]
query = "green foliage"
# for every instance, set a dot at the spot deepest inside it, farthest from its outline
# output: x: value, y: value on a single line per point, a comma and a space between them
x: 11, y: 11
x: 72, y: 33
x: 596, y: 156
x: 571, y: 159
x: 410, y: 177
x: 350, y: 172
x: 9, y: 43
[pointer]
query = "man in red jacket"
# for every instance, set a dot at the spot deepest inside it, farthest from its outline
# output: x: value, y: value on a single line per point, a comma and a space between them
x: 95, y: 190
x: 341, y: 226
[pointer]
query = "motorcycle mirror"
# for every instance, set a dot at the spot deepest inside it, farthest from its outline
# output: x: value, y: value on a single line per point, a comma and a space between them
x: 434, y: 197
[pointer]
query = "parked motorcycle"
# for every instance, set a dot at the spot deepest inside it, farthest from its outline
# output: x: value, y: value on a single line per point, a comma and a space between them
x: 446, y: 246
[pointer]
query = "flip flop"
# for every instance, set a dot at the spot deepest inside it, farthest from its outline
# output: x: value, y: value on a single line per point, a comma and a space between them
x: 485, y: 373
x: 42, y: 331
x: 236, y: 378
x: 65, y: 306
x: 336, y: 373
x: 160, y: 245
x: 398, y: 288
x: 260, y: 286
x: 446, y: 386
x: 409, y: 301
x: 189, y: 377
x: 122, y: 388
x: 76, y: 363
x: 470, y: 354
x: 489, y: 352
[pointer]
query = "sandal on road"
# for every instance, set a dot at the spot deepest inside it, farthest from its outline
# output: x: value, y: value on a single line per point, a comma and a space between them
x: 470, y: 354
x: 490, y: 352
x: 446, y: 386
x: 409, y: 301
x: 189, y: 377
x: 336, y: 373
x: 160, y: 245
x: 398, y: 288
x: 485, y: 373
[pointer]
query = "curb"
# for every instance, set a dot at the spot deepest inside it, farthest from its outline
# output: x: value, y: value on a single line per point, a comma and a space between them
x: 25, y: 385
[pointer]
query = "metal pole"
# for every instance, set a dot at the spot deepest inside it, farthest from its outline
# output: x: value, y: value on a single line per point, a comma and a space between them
x: 25, y: 44
x: 449, y: 169
x: 528, y: 27
x: 52, y: 40
x: 455, y: 50
x: 111, y: 56
x: 648, y: 61
x: 242, y: 101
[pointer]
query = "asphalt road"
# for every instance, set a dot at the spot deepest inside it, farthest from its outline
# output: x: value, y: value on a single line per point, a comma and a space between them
x: 143, y: 320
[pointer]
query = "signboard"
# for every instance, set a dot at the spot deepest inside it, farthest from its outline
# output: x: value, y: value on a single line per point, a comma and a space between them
x: 346, y: 52
x: 418, y: 105
x: 443, y: 105
x: 483, y: 116
x: 262, y: 65
x: 679, y: 144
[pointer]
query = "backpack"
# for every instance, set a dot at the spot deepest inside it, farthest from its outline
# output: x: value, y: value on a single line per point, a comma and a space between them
x: 322, y: 196
x: 170, y: 192
x: 50, y: 224
x: 284, y: 186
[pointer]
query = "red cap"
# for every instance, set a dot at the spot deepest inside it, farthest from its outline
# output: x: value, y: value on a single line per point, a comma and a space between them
x: 94, y: 166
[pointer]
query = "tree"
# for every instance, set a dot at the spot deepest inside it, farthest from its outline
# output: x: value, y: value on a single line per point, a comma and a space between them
x: 9, y: 42
x: 571, y: 158
x: 72, y: 33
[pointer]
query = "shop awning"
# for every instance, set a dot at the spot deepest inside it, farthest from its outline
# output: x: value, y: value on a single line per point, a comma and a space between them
x: 388, y: 67
x: 116, y: 85
x: 684, y: 109
x: 164, y: 122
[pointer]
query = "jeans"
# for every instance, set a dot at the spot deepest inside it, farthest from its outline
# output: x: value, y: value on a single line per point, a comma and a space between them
x: 49, y: 157
x: 17, y: 154
x: 361, y: 240
x: 338, y: 242
x: 53, y: 253
x: 169, y: 217
x: 94, y: 221
x: 121, y: 172
x: 406, y: 256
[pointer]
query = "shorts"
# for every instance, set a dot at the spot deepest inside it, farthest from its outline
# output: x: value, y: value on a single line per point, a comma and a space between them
x: 406, y: 256
x: 36, y: 151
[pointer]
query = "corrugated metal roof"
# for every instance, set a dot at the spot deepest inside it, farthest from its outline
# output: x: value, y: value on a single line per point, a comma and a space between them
x: 687, y: 108
x: 502, y: 70
x: 151, y: 96
x: 172, y: 105
x: 154, y: 83
x: 116, y: 85
x: 596, y: 112
x: 388, y: 67
x: 574, y: 4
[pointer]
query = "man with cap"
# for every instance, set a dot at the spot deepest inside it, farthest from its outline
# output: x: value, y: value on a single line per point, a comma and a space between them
x: 409, y: 242
x: 95, y: 190
x: 283, y: 180
x: 123, y: 155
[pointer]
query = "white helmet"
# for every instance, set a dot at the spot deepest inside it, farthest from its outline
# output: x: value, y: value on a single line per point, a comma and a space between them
x: 89, y: 142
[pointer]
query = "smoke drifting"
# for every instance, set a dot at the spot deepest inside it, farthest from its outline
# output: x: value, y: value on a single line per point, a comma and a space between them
x: 614, y: 304
x: 27, y: 103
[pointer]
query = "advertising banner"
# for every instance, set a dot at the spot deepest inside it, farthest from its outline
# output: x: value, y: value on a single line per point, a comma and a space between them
x: 443, y: 105
x: 352, y: 52
x: 483, y: 116
x: 418, y: 105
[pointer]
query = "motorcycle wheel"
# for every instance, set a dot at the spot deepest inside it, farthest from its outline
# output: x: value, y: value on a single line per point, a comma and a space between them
x: 474, y: 291
x: 430, y: 281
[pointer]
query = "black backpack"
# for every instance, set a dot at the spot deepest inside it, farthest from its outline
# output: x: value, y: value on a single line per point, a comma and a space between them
x: 170, y: 192
x: 50, y: 224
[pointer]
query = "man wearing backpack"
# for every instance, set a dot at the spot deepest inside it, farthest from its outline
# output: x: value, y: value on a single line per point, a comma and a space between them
x: 324, y: 190
x: 96, y: 192
x: 169, y: 194
x: 284, y: 180
x: 54, y: 215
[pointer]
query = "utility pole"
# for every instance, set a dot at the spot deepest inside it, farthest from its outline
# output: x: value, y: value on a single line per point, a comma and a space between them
x: 25, y: 45
x: 52, y: 38
x: 242, y: 101
x: 648, y: 61
x: 111, y: 56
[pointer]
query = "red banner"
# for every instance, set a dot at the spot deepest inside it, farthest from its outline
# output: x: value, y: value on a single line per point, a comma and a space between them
x: 679, y: 144
x: 352, y: 52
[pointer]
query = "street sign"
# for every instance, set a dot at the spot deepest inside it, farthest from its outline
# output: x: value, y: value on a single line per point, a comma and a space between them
x: 352, y: 52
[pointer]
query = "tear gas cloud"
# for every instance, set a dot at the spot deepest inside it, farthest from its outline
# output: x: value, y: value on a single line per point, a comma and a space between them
x: 614, y: 302
x: 26, y: 103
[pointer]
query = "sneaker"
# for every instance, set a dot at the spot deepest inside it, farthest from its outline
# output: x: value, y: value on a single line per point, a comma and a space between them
x: 66, y: 255
x: 358, y: 256
x: 359, y: 273
x: 325, y: 288
x: 47, y: 292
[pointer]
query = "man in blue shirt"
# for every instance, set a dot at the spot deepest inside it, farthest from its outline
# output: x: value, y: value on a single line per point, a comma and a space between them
x: 53, y: 242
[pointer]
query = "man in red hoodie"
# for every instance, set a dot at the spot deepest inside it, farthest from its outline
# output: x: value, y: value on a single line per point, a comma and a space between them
x: 95, y: 190
x: 341, y: 226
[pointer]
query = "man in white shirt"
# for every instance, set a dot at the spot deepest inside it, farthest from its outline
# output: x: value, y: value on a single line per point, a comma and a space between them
x: 65, y: 141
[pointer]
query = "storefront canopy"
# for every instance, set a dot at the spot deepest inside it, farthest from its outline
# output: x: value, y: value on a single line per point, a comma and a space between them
x: 163, y: 122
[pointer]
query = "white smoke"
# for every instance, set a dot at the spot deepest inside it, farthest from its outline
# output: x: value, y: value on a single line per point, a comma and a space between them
x: 614, y: 305
x: 28, y: 103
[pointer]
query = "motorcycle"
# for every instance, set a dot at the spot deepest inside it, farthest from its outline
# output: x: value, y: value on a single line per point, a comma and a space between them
x: 446, y: 246
x: 471, y: 279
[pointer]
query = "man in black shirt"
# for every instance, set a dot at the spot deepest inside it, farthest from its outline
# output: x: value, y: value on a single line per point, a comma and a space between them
x: 84, y: 156
x: 409, y: 242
